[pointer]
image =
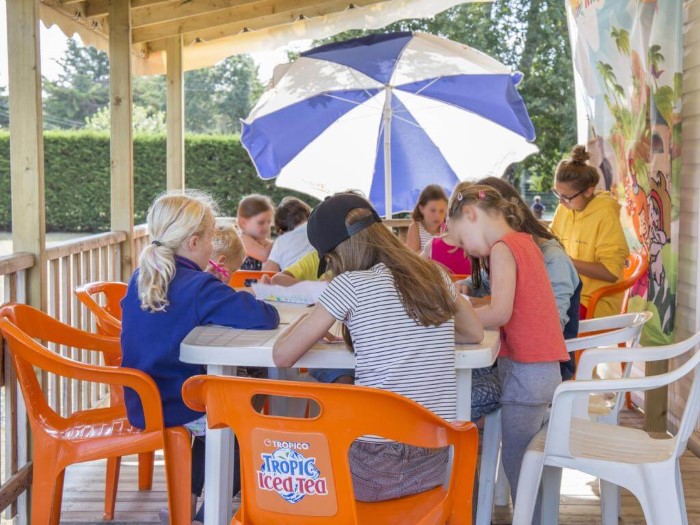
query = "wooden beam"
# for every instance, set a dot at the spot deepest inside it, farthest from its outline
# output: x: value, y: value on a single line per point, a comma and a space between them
x: 248, y: 17
x: 656, y: 401
x: 121, y: 143
x: 101, y: 7
x: 161, y: 13
x: 175, y: 115
x: 27, y: 142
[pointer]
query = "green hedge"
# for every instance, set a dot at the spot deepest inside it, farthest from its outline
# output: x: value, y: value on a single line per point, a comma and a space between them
x: 77, y: 176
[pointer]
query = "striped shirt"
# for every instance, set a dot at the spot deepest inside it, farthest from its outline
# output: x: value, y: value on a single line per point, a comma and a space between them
x: 392, y: 351
x: 425, y: 235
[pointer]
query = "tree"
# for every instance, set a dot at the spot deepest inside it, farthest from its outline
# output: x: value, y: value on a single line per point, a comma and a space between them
x: 143, y: 120
x: 4, y: 108
x: 217, y: 98
x: 81, y: 89
x: 530, y: 36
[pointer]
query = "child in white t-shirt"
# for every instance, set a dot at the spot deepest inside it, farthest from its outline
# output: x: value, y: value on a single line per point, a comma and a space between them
x: 292, y: 244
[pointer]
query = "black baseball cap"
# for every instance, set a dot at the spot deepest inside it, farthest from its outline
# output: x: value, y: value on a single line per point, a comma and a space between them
x: 326, y: 227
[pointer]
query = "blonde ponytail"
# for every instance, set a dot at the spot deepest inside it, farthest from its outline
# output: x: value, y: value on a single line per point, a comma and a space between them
x: 172, y: 220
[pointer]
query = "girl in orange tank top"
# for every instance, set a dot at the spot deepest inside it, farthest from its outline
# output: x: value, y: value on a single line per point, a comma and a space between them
x: 522, y: 307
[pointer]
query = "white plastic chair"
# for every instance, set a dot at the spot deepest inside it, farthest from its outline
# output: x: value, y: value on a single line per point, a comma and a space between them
x: 626, y: 457
x: 625, y: 328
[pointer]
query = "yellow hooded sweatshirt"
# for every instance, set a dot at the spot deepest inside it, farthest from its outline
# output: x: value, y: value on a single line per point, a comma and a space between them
x: 595, y: 235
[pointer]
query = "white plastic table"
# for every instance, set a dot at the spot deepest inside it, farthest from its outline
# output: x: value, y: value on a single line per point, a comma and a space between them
x: 223, y: 349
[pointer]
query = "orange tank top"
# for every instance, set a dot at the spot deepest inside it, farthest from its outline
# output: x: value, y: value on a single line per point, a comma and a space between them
x: 533, y: 334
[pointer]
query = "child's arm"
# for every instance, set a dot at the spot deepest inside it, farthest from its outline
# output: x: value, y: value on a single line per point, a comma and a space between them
x: 427, y: 252
x: 503, y: 269
x: 255, y: 249
x: 413, y: 237
x: 218, y: 303
x: 301, y: 335
x: 283, y: 279
x: 468, y: 327
x: 271, y: 266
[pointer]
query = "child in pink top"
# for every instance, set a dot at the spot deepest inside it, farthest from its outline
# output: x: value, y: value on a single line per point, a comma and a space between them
x: 522, y: 306
x: 452, y: 257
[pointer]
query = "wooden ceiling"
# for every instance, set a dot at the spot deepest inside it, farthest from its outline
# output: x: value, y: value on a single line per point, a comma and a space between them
x: 154, y: 21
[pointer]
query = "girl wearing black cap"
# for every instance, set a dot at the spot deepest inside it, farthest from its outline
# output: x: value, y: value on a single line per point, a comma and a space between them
x: 401, y: 316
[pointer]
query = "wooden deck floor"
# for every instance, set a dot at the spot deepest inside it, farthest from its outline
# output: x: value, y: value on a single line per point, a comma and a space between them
x: 84, y: 493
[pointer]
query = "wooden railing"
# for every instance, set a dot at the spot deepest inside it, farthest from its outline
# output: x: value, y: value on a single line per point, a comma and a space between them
x: 16, y: 469
x: 141, y: 238
x: 70, y: 264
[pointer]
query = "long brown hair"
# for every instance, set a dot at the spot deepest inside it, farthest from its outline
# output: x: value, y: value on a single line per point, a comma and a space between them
x: 432, y: 192
x: 421, y: 285
x: 576, y: 171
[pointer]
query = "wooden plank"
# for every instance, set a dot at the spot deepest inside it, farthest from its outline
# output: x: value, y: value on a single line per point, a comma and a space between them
x: 219, y: 25
x: 27, y: 144
x: 161, y: 13
x: 83, y: 244
x: 18, y: 483
x: 175, y: 115
x: 121, y: 143
x: 16, y: 262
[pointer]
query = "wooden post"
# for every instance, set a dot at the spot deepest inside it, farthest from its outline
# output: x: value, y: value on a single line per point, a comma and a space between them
x: 121, y: 143
x: 175, y: 116
x: 656, y: 401
x: 27, y: 142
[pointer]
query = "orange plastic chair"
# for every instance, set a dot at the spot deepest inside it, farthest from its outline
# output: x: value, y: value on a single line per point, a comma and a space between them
x: 308, y: 458
x: 458, y: 276
x: 636, y: 266
x: 108, y: 317
x: 91, y: 434
x: 239, y: 277
x: 108, y: 320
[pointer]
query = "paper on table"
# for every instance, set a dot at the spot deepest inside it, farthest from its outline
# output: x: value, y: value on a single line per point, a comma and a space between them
x: 304, y: 292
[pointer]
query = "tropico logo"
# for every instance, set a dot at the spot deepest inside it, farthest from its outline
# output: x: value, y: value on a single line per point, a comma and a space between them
x: 290, y: 474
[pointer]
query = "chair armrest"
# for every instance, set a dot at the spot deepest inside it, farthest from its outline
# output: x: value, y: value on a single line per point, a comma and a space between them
x: 595, y: 356
x: 569, y: 401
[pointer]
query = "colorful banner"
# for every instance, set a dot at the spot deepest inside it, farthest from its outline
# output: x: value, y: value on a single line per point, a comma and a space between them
x: 628, y: 72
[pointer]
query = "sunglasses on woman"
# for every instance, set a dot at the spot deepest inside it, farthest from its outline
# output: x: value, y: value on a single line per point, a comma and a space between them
x: 564, y: 198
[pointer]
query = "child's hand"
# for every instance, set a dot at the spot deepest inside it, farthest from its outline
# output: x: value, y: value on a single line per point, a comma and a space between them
x: 330, y: 337
x: 463, y: 288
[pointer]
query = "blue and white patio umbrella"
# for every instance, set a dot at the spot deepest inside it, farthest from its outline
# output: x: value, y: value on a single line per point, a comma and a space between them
x: 387, y: 115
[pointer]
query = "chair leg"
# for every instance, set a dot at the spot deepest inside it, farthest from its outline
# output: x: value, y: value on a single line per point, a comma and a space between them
x: 528, y: 488
x: 45, y: 484
x: 146, y: 470
x: 681, y: 499
x: 609, y: 502
x: 502, y: 496
x: 178, y: 472
x: 551, y: 489
x: 111, y: 485
x: 664, y: 498
x: 57, y: 498
x: 490, y: 447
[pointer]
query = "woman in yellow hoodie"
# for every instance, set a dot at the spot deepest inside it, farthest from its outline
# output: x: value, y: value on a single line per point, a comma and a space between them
x: 587, y: 222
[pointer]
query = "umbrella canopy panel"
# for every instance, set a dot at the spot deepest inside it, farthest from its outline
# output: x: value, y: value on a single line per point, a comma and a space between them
x: 452, y: 113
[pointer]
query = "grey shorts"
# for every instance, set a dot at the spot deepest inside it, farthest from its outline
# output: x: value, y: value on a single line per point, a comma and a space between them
x: 382, y: 471
x: 528, y: 383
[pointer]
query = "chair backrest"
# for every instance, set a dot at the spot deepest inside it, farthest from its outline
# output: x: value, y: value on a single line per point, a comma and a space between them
x: 107, y: 317
x: 607, y: 331
x: 458, y: 277
x: 239, y: 277
x: 20, y: 326
x: 691, y: 411
x: 299, y: 467
x: 636, y: 266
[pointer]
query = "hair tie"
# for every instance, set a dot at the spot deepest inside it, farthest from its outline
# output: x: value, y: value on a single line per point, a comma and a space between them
x: 157, y: 243
x: 482, y: 194
x: 460, y: 197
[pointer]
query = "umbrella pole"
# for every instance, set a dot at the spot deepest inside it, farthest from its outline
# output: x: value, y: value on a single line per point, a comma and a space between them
x: 386, y: 116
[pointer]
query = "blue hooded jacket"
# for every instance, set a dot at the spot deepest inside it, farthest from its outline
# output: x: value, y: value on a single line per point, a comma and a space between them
x: 151, y: 340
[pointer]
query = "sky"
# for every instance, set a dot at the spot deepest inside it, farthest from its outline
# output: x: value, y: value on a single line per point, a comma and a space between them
x: 53, y: 45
